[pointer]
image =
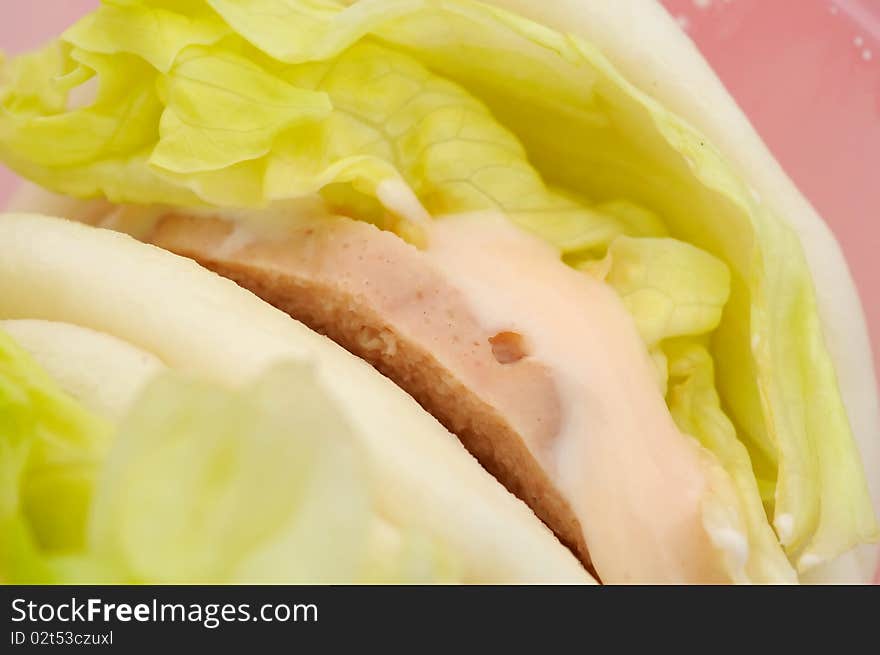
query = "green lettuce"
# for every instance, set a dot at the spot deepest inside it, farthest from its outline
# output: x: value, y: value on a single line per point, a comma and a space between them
x: 197, y: 484
x: 50, y: 454
x: 696, y: 408
x: 671, y: 288
x: 207, y: 484
x: 240, y: 103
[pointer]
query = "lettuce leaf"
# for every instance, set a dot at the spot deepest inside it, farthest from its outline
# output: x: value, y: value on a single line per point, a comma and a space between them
x: 197, y: 484
x: 119, y: 27
x: 696, y: 408
x: 209, y: 485
x: 50, y: 454
x: 240, y: 103
x: 205, y: 127
x: 262, y: 485
x: 671, y: 288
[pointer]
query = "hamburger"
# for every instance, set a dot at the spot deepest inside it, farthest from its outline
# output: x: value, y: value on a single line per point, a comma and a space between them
x: 163, y: 425
x: 546, y: 222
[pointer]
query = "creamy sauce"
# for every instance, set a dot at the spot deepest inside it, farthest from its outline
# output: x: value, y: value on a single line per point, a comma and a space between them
x: 637, y: 483
x: 400, y: 200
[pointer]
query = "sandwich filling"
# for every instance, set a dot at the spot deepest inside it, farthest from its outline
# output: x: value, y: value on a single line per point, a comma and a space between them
x: 579, y: 285
x: 530, y: 380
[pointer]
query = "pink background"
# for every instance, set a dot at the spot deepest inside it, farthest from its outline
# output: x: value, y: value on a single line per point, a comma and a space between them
x: 807, y: 72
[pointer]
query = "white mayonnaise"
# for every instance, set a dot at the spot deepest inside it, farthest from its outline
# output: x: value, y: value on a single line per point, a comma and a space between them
x: 635, y: 481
